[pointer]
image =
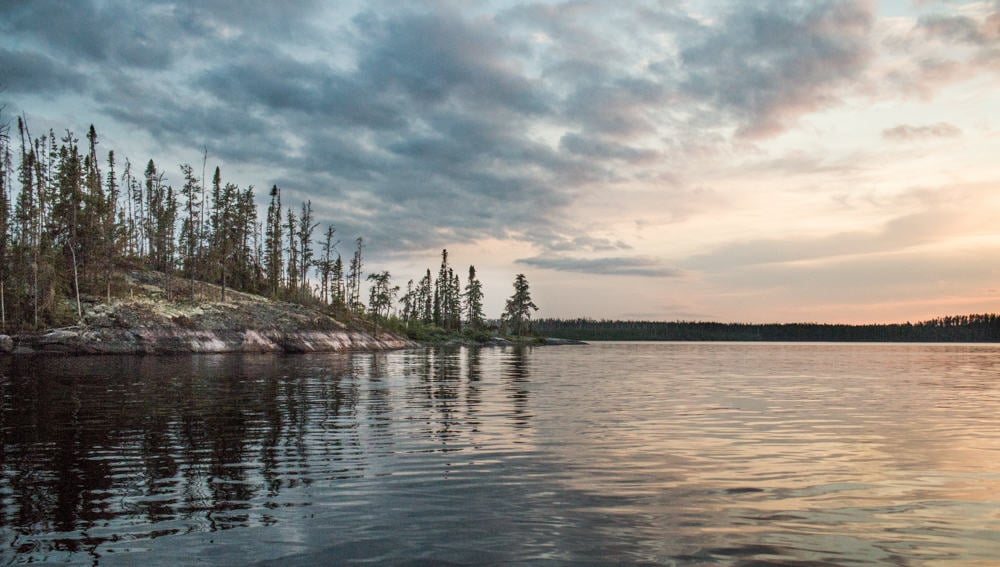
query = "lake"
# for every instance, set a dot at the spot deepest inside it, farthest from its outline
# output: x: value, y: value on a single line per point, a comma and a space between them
x: 748, y: 454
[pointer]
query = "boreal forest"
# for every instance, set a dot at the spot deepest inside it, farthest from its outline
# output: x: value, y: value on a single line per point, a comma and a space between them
x: 74, y: 221
x: 963, y: 328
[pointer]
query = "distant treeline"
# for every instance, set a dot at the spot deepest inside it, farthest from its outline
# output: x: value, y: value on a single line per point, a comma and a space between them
x: 961, y: 328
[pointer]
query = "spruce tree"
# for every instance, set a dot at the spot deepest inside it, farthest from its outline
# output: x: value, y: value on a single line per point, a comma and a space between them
x: 111, y: 227
x: 293, y: 252
x: 272, y: 243
x: 191, y: 193
x: 425, y: 298
x: 326, y: 264
x: 517, y: 314
x: 441, y: 291
x: 354, y: 277
x: 305, y: 231
x: 380, y: 296
x: 5, y: 211
x: 474, y: 301
x: 337, y: 275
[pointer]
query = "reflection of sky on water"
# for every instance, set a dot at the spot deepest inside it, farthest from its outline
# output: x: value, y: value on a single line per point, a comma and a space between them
x: 684, y: 453
x: 865, y: 448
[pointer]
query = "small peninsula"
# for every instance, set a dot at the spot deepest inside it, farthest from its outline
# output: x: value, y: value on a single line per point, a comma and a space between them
x: 145, y: 322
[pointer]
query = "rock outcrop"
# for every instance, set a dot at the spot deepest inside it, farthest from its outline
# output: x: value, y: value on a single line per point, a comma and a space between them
x: 6, y: 344
x: 87, y: 340
x: 147, y: 324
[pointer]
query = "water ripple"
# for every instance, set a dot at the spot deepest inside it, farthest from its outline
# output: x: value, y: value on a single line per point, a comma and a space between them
x: 658, y: 454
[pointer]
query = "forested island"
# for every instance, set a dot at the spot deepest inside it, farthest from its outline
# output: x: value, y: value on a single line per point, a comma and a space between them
x: 98, y: 255
x: 963, y: 328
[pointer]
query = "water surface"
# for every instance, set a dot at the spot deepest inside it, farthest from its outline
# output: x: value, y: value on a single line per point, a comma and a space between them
x: 747, y: 454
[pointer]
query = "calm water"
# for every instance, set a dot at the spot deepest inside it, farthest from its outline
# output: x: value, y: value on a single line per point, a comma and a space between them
x: 672, y: 454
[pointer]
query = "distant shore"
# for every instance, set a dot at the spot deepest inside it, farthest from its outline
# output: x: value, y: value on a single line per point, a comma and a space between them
x: 983, y: 328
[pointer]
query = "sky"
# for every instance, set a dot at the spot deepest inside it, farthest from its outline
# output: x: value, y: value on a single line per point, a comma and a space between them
x: 766, y: 161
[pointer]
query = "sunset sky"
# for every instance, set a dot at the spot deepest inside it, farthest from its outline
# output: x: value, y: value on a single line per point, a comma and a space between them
x: 833, y: 161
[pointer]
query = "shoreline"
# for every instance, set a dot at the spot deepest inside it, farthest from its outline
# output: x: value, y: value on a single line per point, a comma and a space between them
x: 86, y: 341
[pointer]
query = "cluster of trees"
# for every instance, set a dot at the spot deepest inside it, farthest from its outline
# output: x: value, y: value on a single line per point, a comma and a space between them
x: 445, y: 303
x: 442, y: 302
x: 966, y: 328
x: 73, y: 221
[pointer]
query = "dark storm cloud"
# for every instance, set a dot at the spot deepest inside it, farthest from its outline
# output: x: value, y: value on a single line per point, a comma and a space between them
x: 34, y: 72
x: 147, y: 34
x: 616, y: 266
x: 603, y: 149
x: 433, y: 58
x: 111, y: 32
x: 769, y: 63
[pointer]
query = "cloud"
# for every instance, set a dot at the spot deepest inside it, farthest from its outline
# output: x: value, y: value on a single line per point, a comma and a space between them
x: 906, y: 132
x: 591, y: 147
x: 618, y: 265
x: 34, y: 72
x: 958, y: 44
x: 984, y: 31
x: 420, y: 125
x: 900, y: 233
x: 151, y: 35
x: 588, y: 243
x: 766, y: 64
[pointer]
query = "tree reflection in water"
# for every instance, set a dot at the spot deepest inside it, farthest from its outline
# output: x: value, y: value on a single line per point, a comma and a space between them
x: 111, y: 448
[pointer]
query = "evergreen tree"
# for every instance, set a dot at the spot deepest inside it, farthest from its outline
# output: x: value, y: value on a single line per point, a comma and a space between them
x: 453, y: 301
x: 325, y: 265
x: 112, y: 229
x: 517, y: 314
x: 159, y: 220
x: 305, y: 231
x: 5, y: 211
x: 27, y: 217
x: 67, y: 211
x: 166, y: 228
x: 293, y: 252
x: 354, y: 277
x: 134, y: 204
x: 380, y: 297
x: 272, y: 243
x: 474, y: 301
x: 337, y: 277
x: 441, y: 291
x: 409, y: 302
x: 190, y: 237
x: 425, y: 298
x: 245, y: 256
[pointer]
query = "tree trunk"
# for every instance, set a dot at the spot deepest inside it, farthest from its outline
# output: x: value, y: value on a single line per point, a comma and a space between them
x: 34, y: 284
x: 76, y: 285
x: 3, y: 310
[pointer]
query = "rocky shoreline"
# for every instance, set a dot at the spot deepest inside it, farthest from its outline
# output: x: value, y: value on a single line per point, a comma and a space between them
x: 85, y: 340
x: 91, y: 341
x: 147, y: 323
